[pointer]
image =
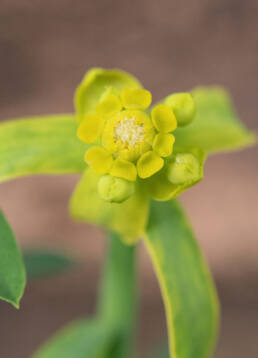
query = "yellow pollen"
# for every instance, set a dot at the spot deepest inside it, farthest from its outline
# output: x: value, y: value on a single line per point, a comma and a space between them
x: 128, y: 132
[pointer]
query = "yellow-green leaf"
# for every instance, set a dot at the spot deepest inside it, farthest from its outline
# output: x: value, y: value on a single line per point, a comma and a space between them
x: 12, y: 270
x: 40, y: 145
x: 188, y: 293
x: 128, y: 219
x: 98, y: 82
x: 216, y: 126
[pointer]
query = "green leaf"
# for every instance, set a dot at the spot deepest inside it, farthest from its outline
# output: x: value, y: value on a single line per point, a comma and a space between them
x: 216, y: 126
x: 40, y: 263
x: 91, y: 339
x: 12, y: 271
x: 110, y: 334
x: 189, y: 296
x: 97, y: 82
x: 118, y: 293
x: 128, y: 219
x: 40, y: 145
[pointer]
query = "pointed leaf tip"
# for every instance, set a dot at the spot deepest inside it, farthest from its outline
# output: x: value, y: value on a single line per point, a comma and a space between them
x: 12, y: 270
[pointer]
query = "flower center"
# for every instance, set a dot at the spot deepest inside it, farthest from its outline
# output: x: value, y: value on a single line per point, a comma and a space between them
x: 128, y: 132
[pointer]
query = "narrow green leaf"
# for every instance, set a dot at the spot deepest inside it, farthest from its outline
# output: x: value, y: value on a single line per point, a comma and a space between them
x: 216, y: 126
x: 95, y: 83
x: 118, y: 293
x: 82, y: 339
x: 40, y: 263
x: 12, y: 271
x: 189, y: 296
x: 40, y: 145
x: 128, y: 219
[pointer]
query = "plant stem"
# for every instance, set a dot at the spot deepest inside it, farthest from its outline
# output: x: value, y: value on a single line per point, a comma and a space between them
x: 117, y: 299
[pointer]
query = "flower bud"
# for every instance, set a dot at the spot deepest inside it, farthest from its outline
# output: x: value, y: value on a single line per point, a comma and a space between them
x: 183, y: 107
x: 184, y: 169
x: 115, y: 190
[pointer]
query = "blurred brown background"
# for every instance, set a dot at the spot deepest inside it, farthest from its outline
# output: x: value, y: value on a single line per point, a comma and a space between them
x: 45, y: 48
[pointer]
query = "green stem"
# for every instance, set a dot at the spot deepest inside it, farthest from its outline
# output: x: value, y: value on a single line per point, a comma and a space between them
x: 118, y: 293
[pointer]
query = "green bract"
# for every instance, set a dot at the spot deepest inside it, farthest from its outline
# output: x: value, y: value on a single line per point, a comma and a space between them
x: 184, y: 168
x: 216, y: 126
x: 183, y: 105
x: 96, y: 84
x: 128, y: 219
x: 115, y: 190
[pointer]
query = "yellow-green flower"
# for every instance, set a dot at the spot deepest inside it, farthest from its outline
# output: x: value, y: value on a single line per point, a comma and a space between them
x: 136, y: 151
x: 130, y: 142
x: 131, y: 151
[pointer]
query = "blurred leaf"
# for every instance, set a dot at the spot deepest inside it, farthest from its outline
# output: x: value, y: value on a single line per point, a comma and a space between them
x: 82, y: 339
x: 43, y: 263
x: 189, y: 296
x: 95, y: 83
x: 127, y: 219
x: 12, y: 271
x: 160, y: 352
x: 117, y: 295
x: 216, y: 126
x: 110, y: 334
x: 40, y: 145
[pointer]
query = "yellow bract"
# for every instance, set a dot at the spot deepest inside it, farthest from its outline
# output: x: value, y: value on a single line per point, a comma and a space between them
x: 123, y: 169
x: 109, y: 105
x: 136, y: 98
x: 99, y: 159
x: 90, y: 128
x: 163, y: 144
x: 163, y: 118
x: 149, y: 164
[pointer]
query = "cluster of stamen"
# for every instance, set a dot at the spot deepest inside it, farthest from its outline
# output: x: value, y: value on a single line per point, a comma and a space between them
x: 128, y: 132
